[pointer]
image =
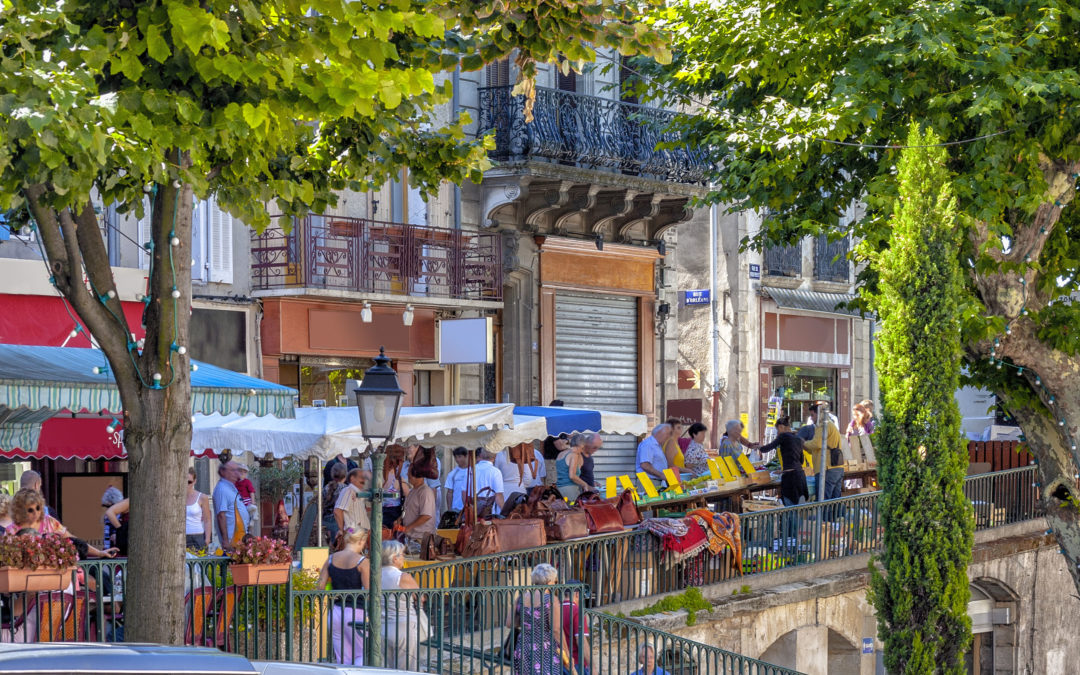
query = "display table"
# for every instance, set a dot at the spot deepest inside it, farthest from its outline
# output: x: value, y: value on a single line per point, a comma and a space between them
x: 429, y: 578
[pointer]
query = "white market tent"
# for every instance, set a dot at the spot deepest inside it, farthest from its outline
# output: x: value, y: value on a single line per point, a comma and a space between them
x: 325, y: 432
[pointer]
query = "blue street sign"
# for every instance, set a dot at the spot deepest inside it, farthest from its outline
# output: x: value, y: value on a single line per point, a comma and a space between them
x: 755, y: 271
x: 868, y: 645
x: 696, y: 297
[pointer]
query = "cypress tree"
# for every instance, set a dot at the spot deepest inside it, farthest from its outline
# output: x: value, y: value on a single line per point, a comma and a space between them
x: 921, y: 599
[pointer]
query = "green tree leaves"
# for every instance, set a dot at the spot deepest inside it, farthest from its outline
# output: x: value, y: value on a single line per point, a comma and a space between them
x: 921, y: 600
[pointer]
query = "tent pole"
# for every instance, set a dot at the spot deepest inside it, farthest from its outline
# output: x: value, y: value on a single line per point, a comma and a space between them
x: 318, y: 514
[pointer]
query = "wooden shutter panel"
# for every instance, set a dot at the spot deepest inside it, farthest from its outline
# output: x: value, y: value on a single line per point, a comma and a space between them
x: 221, y: 253
x: 498, y: 73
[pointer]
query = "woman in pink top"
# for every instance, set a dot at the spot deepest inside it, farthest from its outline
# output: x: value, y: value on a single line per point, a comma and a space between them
x: 28, y: 512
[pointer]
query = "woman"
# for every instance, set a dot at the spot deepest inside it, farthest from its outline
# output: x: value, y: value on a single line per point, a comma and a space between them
x: 541, y: 647
x: 117, y: 515
x: 568, y: 469
x: 646, y: 657
x: 672, y: 450
x: 731, y: 444
x: 111, y: 496
x: 28, y: 512
x: 197, y: 530
x: 860, y: 429
x: 348, y: 570
x: 405, y: 625
x: 695, y: 457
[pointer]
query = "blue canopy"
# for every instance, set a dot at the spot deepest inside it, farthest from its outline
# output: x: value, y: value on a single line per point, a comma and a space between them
x: 574, y: 420
x: 37, y: 383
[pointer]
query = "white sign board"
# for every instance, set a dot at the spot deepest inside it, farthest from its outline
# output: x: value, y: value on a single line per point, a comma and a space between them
x: 466, y: 341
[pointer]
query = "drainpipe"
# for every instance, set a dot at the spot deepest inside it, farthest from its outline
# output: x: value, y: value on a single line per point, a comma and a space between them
x: 714, y: 323
x: 455, y: 104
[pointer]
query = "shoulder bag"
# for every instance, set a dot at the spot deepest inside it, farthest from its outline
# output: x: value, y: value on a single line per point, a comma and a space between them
x: 602, y: 516
x: 425, y: 464
x: 515, y: 534
x: 628, y: 510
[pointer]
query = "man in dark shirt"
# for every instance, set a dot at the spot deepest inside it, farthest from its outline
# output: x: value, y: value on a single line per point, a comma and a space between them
x: 327, y: 473
x: 792, y: 479
x: 593, y: 443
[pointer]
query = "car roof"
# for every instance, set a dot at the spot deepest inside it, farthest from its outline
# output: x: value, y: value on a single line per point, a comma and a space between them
x: 75, y: 657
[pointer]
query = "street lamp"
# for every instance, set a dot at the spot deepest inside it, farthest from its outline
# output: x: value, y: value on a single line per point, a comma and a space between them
x: 378, y: 399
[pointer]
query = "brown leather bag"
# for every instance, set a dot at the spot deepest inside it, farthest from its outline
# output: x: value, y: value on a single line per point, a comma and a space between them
x: 485, y: 503
x: 483, y: 540
x: 567, y: 525
x: 628, y: 510
x: 518, y: 533
x: 603, y: 516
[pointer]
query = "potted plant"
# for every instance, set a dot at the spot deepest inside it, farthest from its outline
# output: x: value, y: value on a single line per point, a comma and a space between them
x: 260, y: 561
x: 30, y: 563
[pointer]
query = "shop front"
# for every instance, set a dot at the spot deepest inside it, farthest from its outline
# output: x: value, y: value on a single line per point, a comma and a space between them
x: 806, y: 357
x: 317, y: 346
x: 597, y: 340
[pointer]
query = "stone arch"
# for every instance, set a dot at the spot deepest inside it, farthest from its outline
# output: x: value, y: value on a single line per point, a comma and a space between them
x: 844, y: 656
x: 993, y: 611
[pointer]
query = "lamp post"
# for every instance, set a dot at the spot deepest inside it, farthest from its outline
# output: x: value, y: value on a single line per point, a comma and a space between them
x: 379, y: 400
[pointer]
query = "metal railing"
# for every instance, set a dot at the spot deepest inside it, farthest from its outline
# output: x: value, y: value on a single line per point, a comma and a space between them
x: 830, y: 259
x: 783, y: 261
x: 467, y: 602
x: 594, y: 132
x: 355, y: 254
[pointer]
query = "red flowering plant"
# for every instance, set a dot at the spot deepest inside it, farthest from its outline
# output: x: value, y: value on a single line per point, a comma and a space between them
x: 261, y: 551
x: 28, y: 551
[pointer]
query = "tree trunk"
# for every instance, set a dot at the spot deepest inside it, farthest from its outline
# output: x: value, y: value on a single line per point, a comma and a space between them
x: 158, y: 454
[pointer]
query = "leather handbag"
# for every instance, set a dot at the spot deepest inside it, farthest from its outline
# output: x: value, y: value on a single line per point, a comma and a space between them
x: 483, y: 540
x: 515, y: 534
x: 425, y: 464
x: 485, y: 503
x: 603, y: 517
x: 567, y: 525
x: 628, y: 510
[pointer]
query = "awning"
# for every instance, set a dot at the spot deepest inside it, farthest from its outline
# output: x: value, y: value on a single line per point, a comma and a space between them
x: 810, y: 301
x: 69, y: 437
x: 560, y: 420
x: 38, y: 382
x: 325, y: 432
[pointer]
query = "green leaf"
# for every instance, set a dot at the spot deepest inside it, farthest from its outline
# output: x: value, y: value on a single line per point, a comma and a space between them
x: 156, y: 45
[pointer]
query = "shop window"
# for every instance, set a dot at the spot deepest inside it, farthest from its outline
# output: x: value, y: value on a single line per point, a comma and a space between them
x: 323, y: 384
x: 801, y: 387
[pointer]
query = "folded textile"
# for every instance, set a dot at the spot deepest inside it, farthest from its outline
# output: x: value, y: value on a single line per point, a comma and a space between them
x: 679, y: 548
x: 662, y: 527
x: 722, y: 530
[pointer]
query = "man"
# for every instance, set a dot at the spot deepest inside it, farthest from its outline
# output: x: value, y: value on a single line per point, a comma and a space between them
x: 457, y: 480
x: 487, y: 476
x: 433, y: 483
x: 593, y: 443
x: 32, y: 480
x: 340, y: 459
x: 650, y: 452
x: 351, y: 509
x: 834, y: 456
x: 230, y: 512
x: 418, y: 517
x: 331, y: 492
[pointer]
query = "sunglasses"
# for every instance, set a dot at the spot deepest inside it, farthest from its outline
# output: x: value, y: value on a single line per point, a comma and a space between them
x: 33, y: 509
x: 191, y: 482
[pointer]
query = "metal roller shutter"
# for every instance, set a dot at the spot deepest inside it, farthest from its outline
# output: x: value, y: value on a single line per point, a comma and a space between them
x: 596, y: 365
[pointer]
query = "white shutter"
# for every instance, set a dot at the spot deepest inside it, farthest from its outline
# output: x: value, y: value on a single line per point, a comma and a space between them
x: 221, y: 254
x: 199, y: 217
x: 145, y: 234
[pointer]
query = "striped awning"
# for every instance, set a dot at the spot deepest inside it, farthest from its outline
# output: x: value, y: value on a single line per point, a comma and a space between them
x: 37, y: 383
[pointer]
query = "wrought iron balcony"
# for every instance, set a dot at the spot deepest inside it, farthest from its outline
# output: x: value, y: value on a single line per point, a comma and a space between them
x: 369, y: 256
x: 784, y: 261
x: 589, y: 131
x: 830, y: 259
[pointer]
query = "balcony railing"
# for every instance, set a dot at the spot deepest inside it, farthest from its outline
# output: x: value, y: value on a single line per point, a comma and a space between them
x: 830, y: 259
x: 369, y: 256
x: 593, y: 132
x: 784, y: 261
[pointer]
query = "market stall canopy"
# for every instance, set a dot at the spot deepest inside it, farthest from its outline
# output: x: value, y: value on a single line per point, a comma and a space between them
x: 325, y: 432
x: 526, y: 429
x: 37, y: 383
x: 74, y: 437
x: 561, y: 420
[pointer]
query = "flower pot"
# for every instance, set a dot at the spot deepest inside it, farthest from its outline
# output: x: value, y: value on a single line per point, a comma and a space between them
x: 260, y: 575
x: 21, y: 580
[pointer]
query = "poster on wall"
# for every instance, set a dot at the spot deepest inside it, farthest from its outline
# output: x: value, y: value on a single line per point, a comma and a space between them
x: 80, y: 508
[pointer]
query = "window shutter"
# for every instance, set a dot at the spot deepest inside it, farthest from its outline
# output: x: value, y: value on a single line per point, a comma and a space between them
x: 221, y: 254
x: 498, y: 73
x: 145, y: 233
x: 199, y: 216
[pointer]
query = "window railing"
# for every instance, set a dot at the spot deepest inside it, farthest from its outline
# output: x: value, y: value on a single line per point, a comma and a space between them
x: 830, y: 259
x: 590, y: 131
x: 354, y: 254
x: 784, y: 261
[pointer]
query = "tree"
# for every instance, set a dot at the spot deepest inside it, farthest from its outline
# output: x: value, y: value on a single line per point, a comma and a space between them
x: 921, y: 600
x: 803, y: 109
x: 148, y: 105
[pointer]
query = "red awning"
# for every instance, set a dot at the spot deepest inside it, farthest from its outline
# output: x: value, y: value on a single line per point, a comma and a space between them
x: 44, y: 320
x: 78, y: 438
